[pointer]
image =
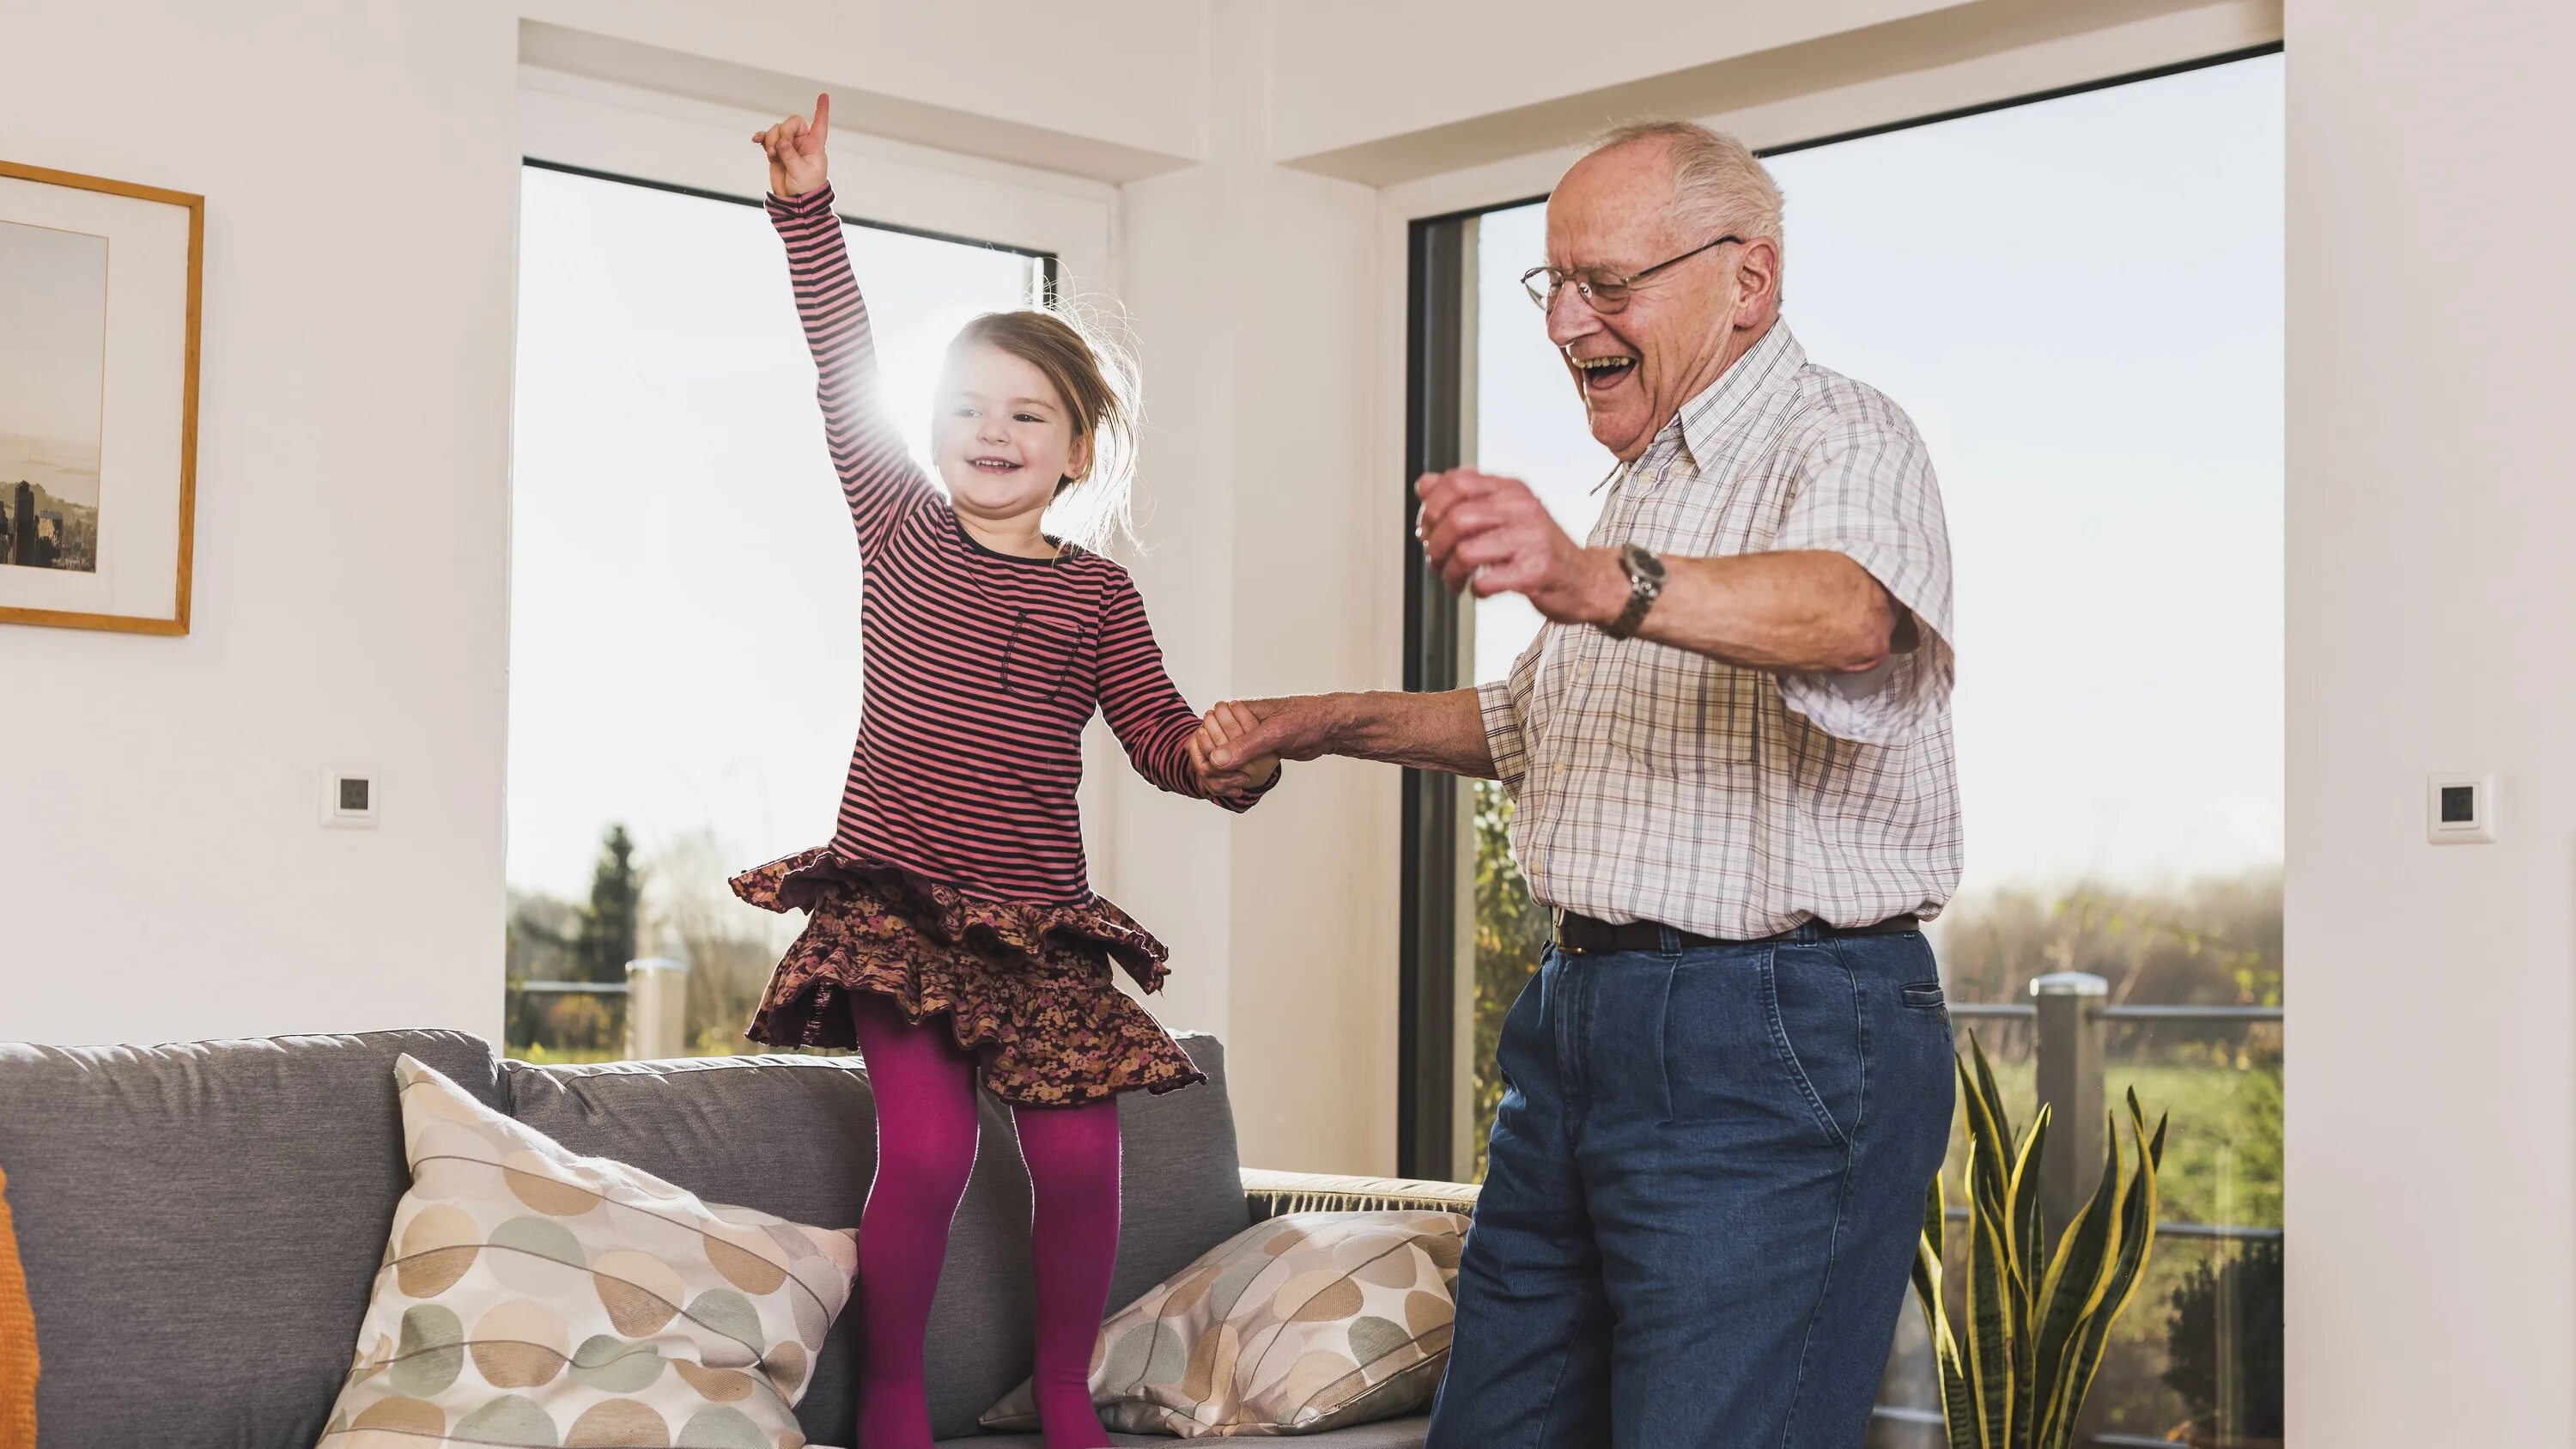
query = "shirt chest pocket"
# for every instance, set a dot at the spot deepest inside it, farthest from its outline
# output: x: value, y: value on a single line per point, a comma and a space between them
x: 1040, y: 658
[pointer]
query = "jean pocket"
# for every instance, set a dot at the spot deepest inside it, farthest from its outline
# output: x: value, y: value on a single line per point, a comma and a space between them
x: 1923, y: 996
x: 1811, y: 1006
x: 1765, y: 1045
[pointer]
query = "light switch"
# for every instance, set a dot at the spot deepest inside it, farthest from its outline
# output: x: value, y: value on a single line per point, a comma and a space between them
x: 2460, y: 810
x: 350, y: 798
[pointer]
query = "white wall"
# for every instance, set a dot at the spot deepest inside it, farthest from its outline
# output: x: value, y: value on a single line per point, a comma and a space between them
x: 1269, y: 536
x: 162, y: 870
x: 1504, y: 54
x: 2432, y: 1061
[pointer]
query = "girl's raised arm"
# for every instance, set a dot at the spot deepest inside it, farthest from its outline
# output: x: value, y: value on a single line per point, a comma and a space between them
x: 878, y: 475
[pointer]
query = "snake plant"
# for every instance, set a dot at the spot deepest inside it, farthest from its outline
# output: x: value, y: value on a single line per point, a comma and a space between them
x: 2037, y: 1320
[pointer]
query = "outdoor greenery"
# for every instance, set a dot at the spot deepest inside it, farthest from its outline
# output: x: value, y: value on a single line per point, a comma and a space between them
x: 2225, y: 1333
x: 676, y: 904
x: 553, y: 940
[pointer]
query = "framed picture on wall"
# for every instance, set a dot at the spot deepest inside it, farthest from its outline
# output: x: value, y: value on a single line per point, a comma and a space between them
x: 98, y: 400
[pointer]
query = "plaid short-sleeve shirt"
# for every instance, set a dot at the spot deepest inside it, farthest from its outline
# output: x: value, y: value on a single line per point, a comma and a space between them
x: 1650, y: 783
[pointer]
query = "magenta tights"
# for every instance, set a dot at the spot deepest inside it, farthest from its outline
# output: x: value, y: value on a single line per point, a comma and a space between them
x: 925, y: 1090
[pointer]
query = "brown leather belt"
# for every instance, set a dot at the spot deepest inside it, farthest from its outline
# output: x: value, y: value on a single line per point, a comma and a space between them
x: 1584, y: 935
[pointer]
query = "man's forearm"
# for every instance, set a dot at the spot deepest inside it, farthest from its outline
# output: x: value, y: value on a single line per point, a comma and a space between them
x: 1444, y: 731
x: 1787, y: 613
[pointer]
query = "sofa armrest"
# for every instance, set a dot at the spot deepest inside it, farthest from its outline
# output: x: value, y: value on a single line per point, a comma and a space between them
x: 1274, y: 1194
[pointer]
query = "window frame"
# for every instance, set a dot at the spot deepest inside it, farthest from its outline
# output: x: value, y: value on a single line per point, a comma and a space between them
x: 622, y: 133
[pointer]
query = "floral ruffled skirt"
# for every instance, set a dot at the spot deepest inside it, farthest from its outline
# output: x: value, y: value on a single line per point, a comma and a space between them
x: 1026, y: 988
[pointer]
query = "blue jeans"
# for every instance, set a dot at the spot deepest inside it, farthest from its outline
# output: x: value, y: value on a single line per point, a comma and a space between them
x: 1703, y: 1198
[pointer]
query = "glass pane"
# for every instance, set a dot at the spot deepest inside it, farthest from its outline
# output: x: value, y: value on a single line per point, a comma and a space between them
x: 2080, y: 304
x: 684, y: 679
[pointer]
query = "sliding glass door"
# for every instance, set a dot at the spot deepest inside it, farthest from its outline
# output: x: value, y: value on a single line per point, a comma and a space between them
x: 2079, y: 300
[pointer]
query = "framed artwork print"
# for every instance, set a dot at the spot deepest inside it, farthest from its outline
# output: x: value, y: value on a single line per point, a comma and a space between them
x: 99, y: 289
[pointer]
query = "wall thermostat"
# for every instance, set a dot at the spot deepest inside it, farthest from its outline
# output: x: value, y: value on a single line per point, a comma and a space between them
x: 2460, y: 810
x: 350, y: 798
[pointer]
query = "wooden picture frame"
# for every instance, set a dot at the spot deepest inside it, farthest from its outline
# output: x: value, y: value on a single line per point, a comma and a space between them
x: 110, y: 277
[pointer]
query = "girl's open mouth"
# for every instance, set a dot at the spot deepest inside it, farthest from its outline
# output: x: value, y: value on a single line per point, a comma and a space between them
x: 992, y: 465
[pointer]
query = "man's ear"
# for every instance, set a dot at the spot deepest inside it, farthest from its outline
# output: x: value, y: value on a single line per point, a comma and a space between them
x: 1759, y: 266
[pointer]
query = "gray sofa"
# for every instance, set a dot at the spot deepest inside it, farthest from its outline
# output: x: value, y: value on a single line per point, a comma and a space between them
x: 201, y: 1223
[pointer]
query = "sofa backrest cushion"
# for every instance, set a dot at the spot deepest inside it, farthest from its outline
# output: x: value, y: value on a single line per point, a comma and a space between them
x: 201, y: 1224
x: 795, y: 1136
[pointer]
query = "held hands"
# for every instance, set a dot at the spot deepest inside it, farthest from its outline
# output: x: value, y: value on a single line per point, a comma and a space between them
x: 1262, y: 732
x: 1494, y: 536
x: 795, y: 149
x: 1226, y: 729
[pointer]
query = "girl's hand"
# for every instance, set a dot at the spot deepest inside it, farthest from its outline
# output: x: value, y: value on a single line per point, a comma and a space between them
x: 1223, y: 726
x: 795, y: 149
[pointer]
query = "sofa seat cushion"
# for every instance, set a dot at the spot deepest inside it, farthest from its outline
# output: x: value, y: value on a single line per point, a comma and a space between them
x: 200, y: 1224
x: 1405, y: 1433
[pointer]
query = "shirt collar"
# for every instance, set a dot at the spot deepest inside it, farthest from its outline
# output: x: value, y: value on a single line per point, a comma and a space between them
x: 1702, y: 428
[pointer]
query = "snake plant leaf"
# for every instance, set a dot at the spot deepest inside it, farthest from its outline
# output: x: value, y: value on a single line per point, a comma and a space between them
x: 1989, y: 1304
x: 1927, y: 1258
x: 2028, y: 1244
x: 2029, y: 1222
x: 1983, y: 1125
x: 2138, y: 1227
x: 1993, y: 1095
x: 2084, y: 1254
x: 1958, y: 1401
x: 1927, y: 1287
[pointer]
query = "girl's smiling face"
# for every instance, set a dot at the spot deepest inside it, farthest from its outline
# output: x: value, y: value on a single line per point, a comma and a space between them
x: 1005, y: 439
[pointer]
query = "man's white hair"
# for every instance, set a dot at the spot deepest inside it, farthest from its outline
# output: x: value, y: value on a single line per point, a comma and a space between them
x: 1719, y: 185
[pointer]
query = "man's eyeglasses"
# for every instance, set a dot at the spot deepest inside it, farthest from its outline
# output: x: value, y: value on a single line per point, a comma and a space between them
x: 1605, y: 292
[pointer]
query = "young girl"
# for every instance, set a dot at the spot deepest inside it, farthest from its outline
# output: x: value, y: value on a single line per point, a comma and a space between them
x: 952, y: 935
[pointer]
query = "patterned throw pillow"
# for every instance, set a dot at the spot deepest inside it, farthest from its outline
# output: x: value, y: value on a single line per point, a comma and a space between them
x: 533, y: 1297
x: 1304, y: 1323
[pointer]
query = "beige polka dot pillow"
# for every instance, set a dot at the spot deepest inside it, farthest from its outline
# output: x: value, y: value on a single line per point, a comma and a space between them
x: 1307, y: 1322
x: 533, y: 1297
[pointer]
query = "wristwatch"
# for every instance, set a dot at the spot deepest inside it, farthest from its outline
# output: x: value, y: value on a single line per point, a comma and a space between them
x: 1645, y: 581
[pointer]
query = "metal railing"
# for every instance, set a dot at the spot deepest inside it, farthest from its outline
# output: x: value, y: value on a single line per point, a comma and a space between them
x: 2072, y: 1018
x: 656, y: 990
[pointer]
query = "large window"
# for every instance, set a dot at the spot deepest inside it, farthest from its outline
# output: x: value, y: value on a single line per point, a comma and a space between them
x: 684, y: 666
x: 2079, y: 300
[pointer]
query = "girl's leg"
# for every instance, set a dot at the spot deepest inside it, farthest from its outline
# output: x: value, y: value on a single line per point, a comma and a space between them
x: 925, y: 1094
x: 1072, y: 1154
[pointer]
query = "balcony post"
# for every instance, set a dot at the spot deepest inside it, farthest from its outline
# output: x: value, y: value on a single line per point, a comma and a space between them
x: 2070, y: 1086
x: 657, y: 1008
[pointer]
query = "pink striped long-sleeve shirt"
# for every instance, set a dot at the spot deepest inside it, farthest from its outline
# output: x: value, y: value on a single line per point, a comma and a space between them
x: 981, y: 668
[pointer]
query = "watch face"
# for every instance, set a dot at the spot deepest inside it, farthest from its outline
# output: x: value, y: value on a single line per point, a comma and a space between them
x: 1642, y: 564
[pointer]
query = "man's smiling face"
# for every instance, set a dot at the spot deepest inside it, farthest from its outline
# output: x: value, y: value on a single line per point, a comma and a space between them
x: 1636, y: 367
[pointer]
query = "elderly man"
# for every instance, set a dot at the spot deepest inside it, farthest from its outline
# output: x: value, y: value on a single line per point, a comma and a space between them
x: 1729, y: 752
